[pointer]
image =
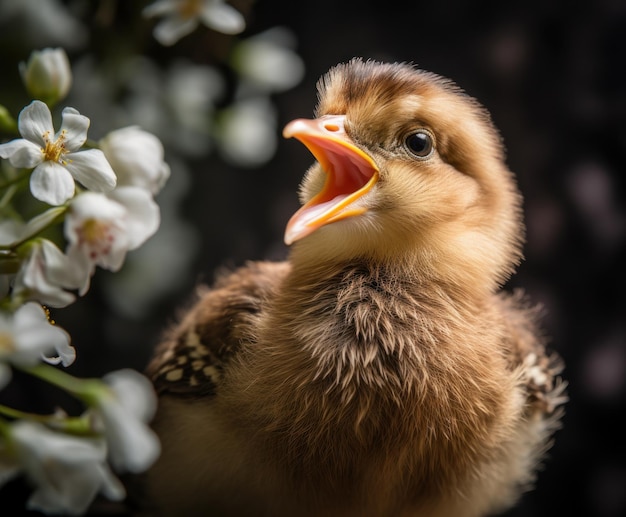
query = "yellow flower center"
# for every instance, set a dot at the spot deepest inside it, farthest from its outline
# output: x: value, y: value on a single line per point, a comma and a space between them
x: 189, y: 8
x: 6, y: 342
x: 97, y: 236
x: 93, y: 231
x: 54, y: 150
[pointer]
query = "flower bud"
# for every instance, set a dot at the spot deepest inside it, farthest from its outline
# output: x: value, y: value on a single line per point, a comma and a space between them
x: 47, y: 75
x: 7, y: 122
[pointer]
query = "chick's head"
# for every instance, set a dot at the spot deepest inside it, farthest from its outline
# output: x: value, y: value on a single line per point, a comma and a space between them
x: 410, y: 170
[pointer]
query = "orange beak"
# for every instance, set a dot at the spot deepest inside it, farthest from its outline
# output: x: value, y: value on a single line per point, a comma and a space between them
x: 350, y: 174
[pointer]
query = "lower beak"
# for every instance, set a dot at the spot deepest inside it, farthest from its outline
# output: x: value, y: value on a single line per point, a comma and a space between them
x: 350, y: 174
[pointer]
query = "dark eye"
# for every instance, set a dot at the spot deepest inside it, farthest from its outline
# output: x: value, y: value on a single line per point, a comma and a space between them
x: 420, y: 144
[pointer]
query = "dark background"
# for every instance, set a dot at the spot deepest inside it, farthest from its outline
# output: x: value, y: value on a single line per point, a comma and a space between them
x: 552, y: 75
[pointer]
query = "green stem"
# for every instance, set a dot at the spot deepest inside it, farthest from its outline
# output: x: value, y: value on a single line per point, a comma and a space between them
x: 83, y: 389
x: 74, y: 425
x: 38, y: 228
x: 57, y: 378
x: 22, y: 415
x: 4, y: 427
x: 91, y: 144
x: 9, y: 263
x: 7, y: 123
x: 14, y: 413
x: 8, y: 195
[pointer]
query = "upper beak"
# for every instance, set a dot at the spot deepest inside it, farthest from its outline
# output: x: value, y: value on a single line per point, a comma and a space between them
x: 350, y: 174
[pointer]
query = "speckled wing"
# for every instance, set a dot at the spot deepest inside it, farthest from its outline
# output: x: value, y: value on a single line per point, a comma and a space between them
x: 193, y: 356
x: 539, y: 370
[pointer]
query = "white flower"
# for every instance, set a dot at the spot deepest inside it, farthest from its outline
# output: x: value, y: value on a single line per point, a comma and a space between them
x: 36, y: 23
x: 55, y: 157
x: 268, y: 62
x: 136, y: 157
x: 191, y: 93
x: 247, y: 135
x: 103, y: 228
x: 26, y: 337
x: 183, y: 16
x: 47, y: 273
x: 47, y: 75
x: 121, y: 412
x: 67, y: 471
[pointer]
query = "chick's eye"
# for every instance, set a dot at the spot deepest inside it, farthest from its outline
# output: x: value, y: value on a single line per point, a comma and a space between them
x: 420, y: 144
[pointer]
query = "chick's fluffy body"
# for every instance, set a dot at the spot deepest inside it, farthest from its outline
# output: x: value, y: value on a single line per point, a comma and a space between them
x: 379, y: 371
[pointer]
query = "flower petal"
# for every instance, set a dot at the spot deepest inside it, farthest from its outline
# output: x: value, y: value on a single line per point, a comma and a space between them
x: 22, y: 153
x: 96, y: 228
x: 51, y: 183
x: 33, y: 330
x: 34, y: 121
x: 34, y: 336
x: 169, y: 31
x: 92, y: 170
x: 29, y: 315
x: 159, y: 8
x: 144, y: 216
x: 134, y: 392
x: 84, y: 266
x: 60, y: 269
x: 112, y: 488
x: 31, y: 282
x: 75, y: 127
x: 66, y: 355
x: 223, y: 18
x: 67, y: 471
x: 133, y: 446
x: 91, y: 205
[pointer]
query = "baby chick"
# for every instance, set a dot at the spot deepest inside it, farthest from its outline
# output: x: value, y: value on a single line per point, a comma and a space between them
x: 380, y: 371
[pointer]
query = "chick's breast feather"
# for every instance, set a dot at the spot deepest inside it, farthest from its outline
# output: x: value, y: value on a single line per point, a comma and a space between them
x: 381, y: 370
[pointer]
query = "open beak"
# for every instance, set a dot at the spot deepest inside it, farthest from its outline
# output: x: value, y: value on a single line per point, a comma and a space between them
x: 350, y: 174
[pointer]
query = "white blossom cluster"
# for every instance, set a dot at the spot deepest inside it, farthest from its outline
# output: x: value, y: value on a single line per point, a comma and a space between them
x: 183, y: 16
x: 69, y: 204
x: 101, y: 194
